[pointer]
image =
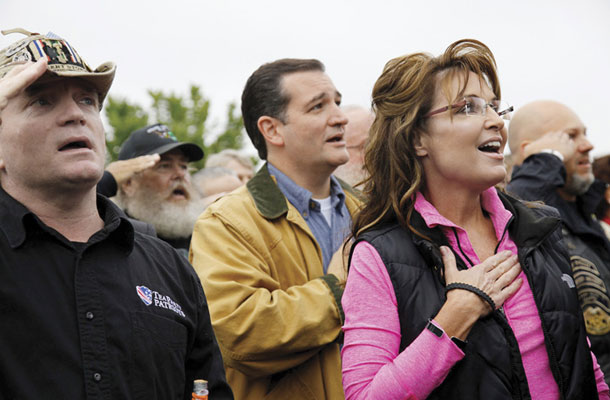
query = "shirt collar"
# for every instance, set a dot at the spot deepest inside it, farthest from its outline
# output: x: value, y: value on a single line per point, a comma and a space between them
x: 18, y: 222
x: 300, y: 197
x: 490, y: 202
x: 116, y: 225
x: 13, y: 216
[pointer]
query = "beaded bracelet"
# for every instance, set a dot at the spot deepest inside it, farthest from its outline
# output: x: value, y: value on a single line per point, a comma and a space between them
x: 473, y: 289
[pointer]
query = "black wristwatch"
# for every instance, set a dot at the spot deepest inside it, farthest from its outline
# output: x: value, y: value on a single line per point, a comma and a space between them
x: 438, y: 332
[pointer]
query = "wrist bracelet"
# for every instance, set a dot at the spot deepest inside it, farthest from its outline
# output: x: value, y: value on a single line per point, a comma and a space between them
x: 473, y: 289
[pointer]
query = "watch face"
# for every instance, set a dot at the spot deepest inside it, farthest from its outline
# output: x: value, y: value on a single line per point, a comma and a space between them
x: 434, y: 329
x: 438, y: 332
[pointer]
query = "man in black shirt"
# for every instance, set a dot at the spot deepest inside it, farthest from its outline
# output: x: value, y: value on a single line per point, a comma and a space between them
x: 163, y: 194
x: 89, y: 309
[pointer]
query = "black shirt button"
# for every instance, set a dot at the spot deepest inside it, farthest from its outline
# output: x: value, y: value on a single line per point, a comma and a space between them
x: 89, y: 315
x: 97, y: 377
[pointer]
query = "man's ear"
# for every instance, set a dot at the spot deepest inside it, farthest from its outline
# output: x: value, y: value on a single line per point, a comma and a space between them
x: 421, y: 149
x: 271, y: 128
x: 522, y: 154
x: 523, y: 144
x: 128, y: 187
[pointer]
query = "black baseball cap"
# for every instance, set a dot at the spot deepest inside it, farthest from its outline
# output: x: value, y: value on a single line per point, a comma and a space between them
x: 158, y: 139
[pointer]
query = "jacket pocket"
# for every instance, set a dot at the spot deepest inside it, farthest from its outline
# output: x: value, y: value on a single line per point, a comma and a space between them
x: 157, y: 357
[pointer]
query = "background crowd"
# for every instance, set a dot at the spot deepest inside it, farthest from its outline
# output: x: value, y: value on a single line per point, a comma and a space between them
x: 441, y: 243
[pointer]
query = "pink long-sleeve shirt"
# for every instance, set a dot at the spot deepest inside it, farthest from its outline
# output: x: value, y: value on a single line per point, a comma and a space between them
x: 373, y: 368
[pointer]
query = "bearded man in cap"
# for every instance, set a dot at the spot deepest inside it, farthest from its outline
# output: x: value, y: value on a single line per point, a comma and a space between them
x: 90, y: 308
x: 163, y: 194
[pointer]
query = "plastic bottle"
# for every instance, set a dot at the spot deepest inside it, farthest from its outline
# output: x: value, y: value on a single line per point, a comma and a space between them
x: 200, y: 389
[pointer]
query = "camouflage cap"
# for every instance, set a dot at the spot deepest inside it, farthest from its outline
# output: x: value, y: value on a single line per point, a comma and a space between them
x: 63, y: 60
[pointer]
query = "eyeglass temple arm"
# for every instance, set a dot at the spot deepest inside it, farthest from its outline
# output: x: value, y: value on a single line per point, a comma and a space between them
x: 504, y: 112
x: 440, y: 110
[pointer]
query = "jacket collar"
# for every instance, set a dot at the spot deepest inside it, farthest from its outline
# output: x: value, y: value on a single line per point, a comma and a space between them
x: 269, y: 199
x: 589, y: 201
x: 528, y: 227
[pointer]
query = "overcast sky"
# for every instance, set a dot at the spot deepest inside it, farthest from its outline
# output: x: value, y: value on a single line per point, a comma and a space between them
x: 545, y: 49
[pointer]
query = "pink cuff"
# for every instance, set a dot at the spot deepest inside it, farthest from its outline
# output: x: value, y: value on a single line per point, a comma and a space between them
x: 426, y: 362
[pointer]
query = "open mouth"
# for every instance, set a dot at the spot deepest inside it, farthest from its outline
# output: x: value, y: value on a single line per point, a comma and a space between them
x: 74, y: 145
x: 338, y: 137
x: 179, y: 193
x: 491, y: 147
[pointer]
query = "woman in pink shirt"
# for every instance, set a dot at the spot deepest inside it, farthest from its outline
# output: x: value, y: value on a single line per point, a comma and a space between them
x: 456, y: 290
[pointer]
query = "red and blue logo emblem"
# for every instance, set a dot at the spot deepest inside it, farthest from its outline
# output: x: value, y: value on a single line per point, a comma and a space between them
x: 145, y: 294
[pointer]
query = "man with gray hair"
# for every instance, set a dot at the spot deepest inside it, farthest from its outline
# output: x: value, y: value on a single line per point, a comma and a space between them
x: 552, y: 163
x: 214, y: 182
x: 356, y: 136
x: 233, y: 160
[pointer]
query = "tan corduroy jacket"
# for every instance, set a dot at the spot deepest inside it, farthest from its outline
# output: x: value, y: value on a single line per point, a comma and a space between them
x: 275, y: 314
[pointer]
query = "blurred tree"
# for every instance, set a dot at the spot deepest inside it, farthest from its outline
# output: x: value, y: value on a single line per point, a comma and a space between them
x: 232, y: 137
x: 124, y: 118
x: 186, y: 117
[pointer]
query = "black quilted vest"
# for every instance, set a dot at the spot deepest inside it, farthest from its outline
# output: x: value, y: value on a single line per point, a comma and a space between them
x: 492, y: 367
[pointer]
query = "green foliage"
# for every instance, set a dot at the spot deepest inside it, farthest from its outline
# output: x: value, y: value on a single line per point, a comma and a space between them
x: 232, y: 137
x: 187, y: 118
x: 124, y: 117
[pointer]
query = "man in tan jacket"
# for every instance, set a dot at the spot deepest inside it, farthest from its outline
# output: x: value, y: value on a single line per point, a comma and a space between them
x: 269, y: 254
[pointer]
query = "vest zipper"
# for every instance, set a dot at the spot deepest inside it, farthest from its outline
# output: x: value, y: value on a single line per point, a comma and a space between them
x: 501, y: 309
x: 457, y: 239
x: 503, y: 234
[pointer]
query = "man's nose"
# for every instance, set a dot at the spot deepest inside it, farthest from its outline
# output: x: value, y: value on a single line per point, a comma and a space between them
x: 178, y: 171
x: 339, y: 117
x: 71, y: 113
x: 584, y: 145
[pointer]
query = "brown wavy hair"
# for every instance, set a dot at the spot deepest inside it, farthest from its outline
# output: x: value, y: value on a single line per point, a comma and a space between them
x: 402, y: 95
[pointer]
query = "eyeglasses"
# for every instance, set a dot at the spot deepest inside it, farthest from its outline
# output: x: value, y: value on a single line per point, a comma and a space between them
x: 473, y: 105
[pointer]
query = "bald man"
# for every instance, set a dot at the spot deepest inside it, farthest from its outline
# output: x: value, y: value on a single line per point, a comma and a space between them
x: 356, y: 135
x: 550, y: 149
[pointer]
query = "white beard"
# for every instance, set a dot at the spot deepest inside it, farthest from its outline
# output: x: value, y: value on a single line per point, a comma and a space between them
x: 170, y: 220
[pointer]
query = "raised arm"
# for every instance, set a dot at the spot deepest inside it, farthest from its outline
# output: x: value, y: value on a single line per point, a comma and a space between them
x: 19, y: 78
